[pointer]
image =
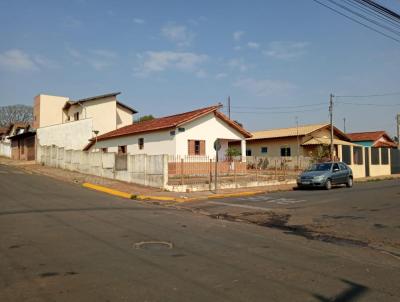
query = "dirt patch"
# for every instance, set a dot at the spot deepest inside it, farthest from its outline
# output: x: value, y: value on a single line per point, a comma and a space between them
x: 343, y: 217
x: 280, y: 222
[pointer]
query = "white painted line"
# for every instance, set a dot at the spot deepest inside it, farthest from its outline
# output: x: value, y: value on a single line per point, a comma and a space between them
x: 3, y: 172
x: 237, y: 205
x: 17, y: 172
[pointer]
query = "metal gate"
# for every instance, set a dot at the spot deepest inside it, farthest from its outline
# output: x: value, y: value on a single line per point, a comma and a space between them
x: 395, y: 161
x: 366, y: 161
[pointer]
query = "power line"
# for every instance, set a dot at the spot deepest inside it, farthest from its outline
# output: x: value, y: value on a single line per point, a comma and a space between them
x: 364, y: 17
x: 373, y: 12
x: 278, y: 107
x: 355, y: 20
x: 359, y: 4
x: 368, y: 96
x: 279, y: 112
x: 364, y: 104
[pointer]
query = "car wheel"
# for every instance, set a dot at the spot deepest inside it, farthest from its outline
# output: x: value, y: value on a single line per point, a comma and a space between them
x: 349, y: 183
x: 328, y: 184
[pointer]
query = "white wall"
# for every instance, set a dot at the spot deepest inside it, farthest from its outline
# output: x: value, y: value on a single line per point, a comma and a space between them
x: 207, y: 128
x: 124, y: 116
x: 71, y: 135
x: 154, y: 143
x: 5, y: 149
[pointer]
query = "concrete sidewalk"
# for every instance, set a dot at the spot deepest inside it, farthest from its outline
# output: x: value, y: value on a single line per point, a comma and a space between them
x: 140, y: 192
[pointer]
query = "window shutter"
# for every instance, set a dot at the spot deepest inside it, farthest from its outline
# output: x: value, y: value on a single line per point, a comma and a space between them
x: 202, y: 147
x: 191, y: 147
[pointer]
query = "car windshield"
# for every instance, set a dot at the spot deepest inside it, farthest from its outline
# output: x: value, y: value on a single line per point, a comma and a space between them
x: 320, y: 167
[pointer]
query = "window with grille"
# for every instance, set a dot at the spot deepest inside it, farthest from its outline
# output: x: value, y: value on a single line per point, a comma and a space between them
x: 375, y: 156
x: 357, y: 155
x: 264, y: 150
x: 141, y: 143
x: 285, y: 151
x: 122, y: 149
x: 384, y: 156
x: 346, y: 154
x: 196, y: 147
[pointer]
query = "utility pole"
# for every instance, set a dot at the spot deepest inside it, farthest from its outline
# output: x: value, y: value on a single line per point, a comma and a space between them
x: 331, y: 122
x: 398, y: 131
x: 229, y: 107
x: 298, y: 142
x: 344, y: 125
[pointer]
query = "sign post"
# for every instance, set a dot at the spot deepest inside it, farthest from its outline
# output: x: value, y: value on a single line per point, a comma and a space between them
x: 217, y: 147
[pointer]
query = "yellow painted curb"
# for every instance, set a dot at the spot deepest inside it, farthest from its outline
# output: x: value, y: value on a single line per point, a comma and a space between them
x: 240, y: 194
x: 107, y: 190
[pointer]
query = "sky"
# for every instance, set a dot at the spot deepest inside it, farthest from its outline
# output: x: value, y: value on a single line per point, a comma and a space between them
x: 167, y: 57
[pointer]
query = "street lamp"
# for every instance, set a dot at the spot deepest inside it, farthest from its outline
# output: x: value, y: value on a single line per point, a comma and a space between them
x: 95, y: 142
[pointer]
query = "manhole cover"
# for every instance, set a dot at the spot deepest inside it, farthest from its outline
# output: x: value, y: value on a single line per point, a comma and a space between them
x: 153, y: 245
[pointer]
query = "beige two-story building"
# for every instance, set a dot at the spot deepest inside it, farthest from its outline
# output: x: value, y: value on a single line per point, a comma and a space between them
x: 70, y: 123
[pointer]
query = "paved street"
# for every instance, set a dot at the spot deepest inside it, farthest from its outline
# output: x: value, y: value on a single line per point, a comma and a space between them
x: 61, y: 242
x: 367, y: 213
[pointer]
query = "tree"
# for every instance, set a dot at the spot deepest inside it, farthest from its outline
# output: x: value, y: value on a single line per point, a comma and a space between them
x: 231, y: 152
x: 322, y: 153
x: 15, y: 113
x: 143, y: 118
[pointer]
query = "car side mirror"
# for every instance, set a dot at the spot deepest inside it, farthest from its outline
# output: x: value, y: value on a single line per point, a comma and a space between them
x: 336, y: 170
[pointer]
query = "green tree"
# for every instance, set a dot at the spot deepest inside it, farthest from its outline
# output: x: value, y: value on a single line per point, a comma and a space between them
x: 231, y: 152
x: 144, y: 118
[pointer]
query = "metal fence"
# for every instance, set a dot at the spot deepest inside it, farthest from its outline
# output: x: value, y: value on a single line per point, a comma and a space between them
x: 190, y: 170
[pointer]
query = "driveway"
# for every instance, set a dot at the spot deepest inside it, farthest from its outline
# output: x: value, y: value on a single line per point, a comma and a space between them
x: 60, y: 242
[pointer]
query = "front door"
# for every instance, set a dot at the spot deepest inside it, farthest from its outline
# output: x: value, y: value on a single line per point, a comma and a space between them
x: 366, y: 162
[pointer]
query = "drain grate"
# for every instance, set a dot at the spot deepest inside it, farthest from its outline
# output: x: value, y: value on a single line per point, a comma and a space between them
x: 153, y: 245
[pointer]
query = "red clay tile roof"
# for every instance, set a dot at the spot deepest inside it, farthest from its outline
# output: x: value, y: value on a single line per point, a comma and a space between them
x: 168, y: 122
x: 381, y: 144
x: 368, y: 136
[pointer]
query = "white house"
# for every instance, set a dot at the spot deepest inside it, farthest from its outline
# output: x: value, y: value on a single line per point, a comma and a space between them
x: 186, y: 134
x: 70, y: 124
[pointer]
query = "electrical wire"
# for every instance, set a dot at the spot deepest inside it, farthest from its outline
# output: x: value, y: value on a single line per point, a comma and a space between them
x: 364, y: 17
x: 278, y: 107
x: 359, y: 22
x: 359, y: 4
x: 368, y: 96
x: 364, y: 104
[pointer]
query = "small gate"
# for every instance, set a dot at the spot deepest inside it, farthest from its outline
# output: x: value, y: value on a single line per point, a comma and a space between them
x: 394, y: 161
x: 121, y: 162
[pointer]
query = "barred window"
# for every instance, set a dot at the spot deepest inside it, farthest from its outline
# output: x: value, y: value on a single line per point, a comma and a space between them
x: 357, y: 155
x: 384, y: 156
x: 375, y: 156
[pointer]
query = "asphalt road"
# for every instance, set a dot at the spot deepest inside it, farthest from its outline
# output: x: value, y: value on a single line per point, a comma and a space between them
x: 369, y: 212
x: 60, y: 242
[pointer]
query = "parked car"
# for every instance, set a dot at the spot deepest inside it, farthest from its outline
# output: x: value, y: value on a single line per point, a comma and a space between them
x: 325, y: 175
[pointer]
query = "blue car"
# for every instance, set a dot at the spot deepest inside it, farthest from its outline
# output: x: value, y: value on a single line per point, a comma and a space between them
x: 325, y: 175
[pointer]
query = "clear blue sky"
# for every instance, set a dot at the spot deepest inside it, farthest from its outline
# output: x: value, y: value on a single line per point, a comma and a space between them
x: 172, y: 56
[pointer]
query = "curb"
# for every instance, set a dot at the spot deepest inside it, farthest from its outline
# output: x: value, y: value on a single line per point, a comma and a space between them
x: 107, y: 190
x: 167, y: 198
